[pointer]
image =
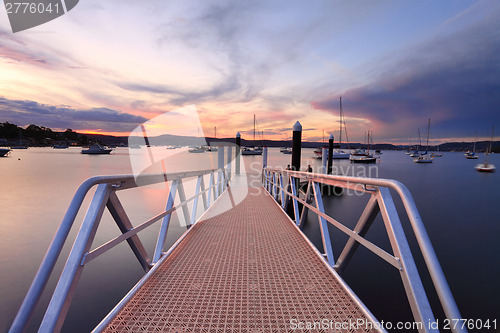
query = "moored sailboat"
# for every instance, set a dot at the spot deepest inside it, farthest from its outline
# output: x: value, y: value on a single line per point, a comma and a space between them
x: 487, y: 166
x: 362, y: 156
x: 424, y: 158
x: 252, y: 150
x: 471, y: 155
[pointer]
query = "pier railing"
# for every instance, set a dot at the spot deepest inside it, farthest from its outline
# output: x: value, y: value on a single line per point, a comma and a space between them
x: 81, y: 253
x: 284, y: 187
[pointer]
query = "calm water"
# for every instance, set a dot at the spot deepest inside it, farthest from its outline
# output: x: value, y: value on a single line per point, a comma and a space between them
x: 457, y: 205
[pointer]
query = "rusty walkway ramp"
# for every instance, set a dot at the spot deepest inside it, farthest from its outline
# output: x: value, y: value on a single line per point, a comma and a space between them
x: 243, y: 268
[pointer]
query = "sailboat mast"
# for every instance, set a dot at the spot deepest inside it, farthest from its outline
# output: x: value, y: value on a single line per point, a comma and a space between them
x: 492, y: 136
x: 254, y: 129
x: 428, y: 130
x: 419, y: 141
x: 368, y: 140
x: 475, y: 139
x: 340, y: 123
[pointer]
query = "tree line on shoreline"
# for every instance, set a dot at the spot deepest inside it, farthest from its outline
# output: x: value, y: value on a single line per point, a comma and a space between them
x: 34, y: 135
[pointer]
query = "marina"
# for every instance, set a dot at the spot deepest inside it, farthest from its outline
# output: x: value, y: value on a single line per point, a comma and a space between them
x: 445, y: 222
x: 251, y: 167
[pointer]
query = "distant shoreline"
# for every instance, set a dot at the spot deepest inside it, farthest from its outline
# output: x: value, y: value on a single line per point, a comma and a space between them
x: 39, y: 136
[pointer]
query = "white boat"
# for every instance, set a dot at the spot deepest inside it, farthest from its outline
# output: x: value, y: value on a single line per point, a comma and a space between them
x: 359, y: 152
x: 363, y: 156
x: 4, y: 151
x: 286, y: 151
x: 96, y: 149
x: 339, y: 154
x: 251, y: 151
x: 425, y: 158
x: 487, y: 166
x: 471, y: 155
x: 211, y: 147
x: 197, y: 150
x: 363, y: 159
x: 336, y: 155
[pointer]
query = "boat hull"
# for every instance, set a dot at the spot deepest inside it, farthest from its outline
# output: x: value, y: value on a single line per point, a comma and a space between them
x: 196, y: 151
x: 363, y: 159
x: 340, y: 156
x: 96, y: 150
x: 485, y: 167
x: 4, y: 152
x: 251, y: 152
x: 423, y: 160
x: 103, y: 152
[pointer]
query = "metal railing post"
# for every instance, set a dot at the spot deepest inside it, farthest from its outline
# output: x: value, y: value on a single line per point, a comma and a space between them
x: 210, y: 190
x: 325, y: 235
x: 182, y: 198
x: 45, y: 270
x: 220, y: 166
x: 293, y: 185
x: 195, y: 202
x: 229, y: 163
x: 283, y: 190
x: 415, y: 291
x: 162, y: 236
x: 63, y: 294
x: 324, y: 158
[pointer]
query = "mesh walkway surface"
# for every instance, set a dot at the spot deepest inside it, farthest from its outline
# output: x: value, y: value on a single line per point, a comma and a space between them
x: 243, y: 268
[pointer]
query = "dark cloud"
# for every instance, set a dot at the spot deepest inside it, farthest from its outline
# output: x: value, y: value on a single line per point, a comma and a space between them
x: 454, y: 79
x: 30, y: 112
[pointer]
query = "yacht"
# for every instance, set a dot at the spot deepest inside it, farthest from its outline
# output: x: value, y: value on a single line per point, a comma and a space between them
x: 4, y: 151
x: 487, y: 166
x: 425, y: 158
x: 96, y: 149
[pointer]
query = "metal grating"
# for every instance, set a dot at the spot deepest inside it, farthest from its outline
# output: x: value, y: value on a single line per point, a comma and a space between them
x: 245, y: 270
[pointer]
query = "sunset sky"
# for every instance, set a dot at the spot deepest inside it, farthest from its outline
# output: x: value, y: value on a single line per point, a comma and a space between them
x: 108, y: 66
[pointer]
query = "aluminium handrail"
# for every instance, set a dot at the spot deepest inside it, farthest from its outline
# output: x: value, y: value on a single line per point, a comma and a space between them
x: 104, y: 196
x: 380, y: 201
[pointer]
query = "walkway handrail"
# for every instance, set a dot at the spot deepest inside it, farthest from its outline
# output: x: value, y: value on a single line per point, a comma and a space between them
x: 278, y: 183
x: 105, y: 197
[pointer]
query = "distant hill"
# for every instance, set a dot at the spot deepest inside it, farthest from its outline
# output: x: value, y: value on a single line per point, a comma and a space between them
x: 34, y: 135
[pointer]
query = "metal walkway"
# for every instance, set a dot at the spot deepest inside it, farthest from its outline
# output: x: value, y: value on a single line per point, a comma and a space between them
x: 243, y: 268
